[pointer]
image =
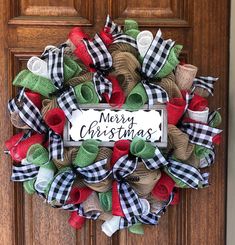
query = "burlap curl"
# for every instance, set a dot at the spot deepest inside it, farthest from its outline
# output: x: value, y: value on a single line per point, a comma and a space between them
x: 123, y: 47
x: 126, y: 68
x: 80, y: 79
x: 47, y: 105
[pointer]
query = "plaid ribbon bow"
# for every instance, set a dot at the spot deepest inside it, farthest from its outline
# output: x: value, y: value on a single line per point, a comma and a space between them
x: 154, y: 60
x: 149, y: 219
x: 31, y: 115
x: 188, y: 174
x: 23, y: 173
x: 63, y: 181
x: 66, y: 99
x: 116, y: 31
x: 130, y: 202
x: 125, y: 166
x: 102, y: 62
x: 200, y: 134
x: 55, y: 64
x: 206, y: 83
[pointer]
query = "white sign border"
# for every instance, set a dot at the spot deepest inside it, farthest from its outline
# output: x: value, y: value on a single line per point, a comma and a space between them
x: 162, y: 144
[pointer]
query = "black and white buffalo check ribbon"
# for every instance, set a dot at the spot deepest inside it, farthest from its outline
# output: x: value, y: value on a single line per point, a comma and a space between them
x: 155, y: 93
x: 157, y: 55
x: 63, y: 181
x: 149, y: 219
x: 158, y: 161
x: 129, y: 200
x: 90, y: 215
x: 200, y: 134
x: 102, y: 62
x: 208, y: 159
x: 154, y: 60
x: 126, y: 165
x: 116, y: 31
x: 55, y: 63
x: 23, y: 173
x: 188, y: 174
x: 31, y: 115
x: 206, y: 83
x: 27, y: 111
x: 67, y: 99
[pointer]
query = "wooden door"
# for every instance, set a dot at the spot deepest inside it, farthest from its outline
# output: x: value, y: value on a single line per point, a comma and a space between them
x: 200, y: 25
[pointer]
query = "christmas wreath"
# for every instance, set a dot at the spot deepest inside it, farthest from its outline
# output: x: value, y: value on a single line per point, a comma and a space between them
x: 134, y: 182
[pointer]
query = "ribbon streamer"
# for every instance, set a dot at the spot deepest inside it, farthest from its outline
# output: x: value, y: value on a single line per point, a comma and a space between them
x: 188, y: 174
x: 117, y: 34
x: 102, y: 62
x: 206, y: 83
x: 200, y: 134
x: 24, y: 172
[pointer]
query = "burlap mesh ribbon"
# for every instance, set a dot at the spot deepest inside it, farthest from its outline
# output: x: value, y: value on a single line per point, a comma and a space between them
x: 202, y: 92
x: 47, y: 105
x: 123, y: 47
x: 106, y: 184
x: 142, y: 180
x: 125, y: 69
x: 168, y: 83
x: 182, y: 148
x: 69, y: 156
x: 80, y: 79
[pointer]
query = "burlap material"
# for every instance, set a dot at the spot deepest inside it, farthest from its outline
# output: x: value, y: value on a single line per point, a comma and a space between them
x: 18, y: 122
x: 142, y: 180
x: 105, y: 216
x: 125, y: 69
x: 155, y: 204
x: 202, y: 92
x: 47, y: 105
x: 86, y: 77
x: 69, y: 155
x: 106, y: 184
x: 168, y: 83
x: 182, y: 148
x: 193, y: 160
x: 123, y: 47
x: 92, y: 204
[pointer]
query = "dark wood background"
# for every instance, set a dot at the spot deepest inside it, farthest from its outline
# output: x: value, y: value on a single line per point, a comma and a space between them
x: 202, y: 26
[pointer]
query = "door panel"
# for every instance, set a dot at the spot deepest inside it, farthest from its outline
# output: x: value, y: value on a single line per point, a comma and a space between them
x: 201, y: 26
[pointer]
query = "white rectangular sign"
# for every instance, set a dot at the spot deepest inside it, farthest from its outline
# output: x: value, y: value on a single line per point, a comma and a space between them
x: 110, y: 125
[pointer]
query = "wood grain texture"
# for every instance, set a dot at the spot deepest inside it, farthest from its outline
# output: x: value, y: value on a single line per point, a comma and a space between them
x: 201, y: 26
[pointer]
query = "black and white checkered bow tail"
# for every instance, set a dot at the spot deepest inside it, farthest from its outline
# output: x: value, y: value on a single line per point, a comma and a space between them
x: 158, y: 161
x: 155, y: 93
x: 23, y: 173
x: 56, y: 146
x: 200, y: 134
x: 55, y: 61
x: 102, y: 59
x: 206, y: 83
x: 102, y: 85
x: 68, y: 207
x: 61, y: 187
x: 28, y: 112
x: 95, y: 172
x: 156, y: 55
x: 187, y: 174
x: 68, y: 103
x: 116, y: 31
x: 129, y: 200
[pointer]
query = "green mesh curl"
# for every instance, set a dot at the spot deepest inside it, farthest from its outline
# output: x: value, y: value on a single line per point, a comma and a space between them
x: 216, y: 121
x: 29, y: 186
x: 130, y: 25
x: 37, y: 155
x: 85, y: 93
x: 87, y: 153
x: 137, y: 228
x: 71, y: 68
x: 106, y: 200
x: 137, y: 98
x: 142, y: 149
x: 35, y: 83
